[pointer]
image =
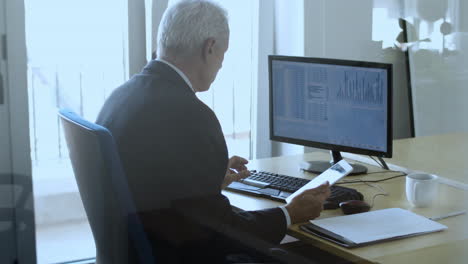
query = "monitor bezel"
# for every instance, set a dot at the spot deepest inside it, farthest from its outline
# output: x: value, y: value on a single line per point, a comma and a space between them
x: 333, y: 147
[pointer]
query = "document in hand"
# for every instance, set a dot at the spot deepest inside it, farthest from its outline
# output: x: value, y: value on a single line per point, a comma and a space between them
x: 332, y: 175
x: 371, y: 227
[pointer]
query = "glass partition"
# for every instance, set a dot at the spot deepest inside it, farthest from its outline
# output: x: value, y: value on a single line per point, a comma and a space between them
x: 438, y: 54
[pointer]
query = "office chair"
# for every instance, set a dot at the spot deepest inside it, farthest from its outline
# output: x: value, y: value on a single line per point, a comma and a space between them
x: 117, y: 230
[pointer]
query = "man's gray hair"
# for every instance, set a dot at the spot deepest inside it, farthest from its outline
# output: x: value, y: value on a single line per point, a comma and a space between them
x: 188, y: 24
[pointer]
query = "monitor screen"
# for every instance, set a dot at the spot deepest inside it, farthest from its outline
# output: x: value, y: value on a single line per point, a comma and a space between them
x: 333, y: 104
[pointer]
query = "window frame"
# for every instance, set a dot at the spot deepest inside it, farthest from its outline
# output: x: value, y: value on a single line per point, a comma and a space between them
x: 19, y: 126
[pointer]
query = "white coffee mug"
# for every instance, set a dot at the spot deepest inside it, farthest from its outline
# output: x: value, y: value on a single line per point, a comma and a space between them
x: 421, y: 188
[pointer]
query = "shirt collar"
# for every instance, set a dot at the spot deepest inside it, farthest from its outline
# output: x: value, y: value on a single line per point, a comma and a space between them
x: 186, y: 79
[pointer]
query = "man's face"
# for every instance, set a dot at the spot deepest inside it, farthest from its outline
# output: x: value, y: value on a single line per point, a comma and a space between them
x: 215, y: 58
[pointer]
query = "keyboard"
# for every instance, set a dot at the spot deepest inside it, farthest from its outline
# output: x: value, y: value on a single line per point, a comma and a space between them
x: 278, y: 187
x: 275, y: 181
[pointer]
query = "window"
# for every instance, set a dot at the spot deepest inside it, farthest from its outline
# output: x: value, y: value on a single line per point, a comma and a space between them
x: 77, y: 54
x: 230, y: 96
x: 76, y: 57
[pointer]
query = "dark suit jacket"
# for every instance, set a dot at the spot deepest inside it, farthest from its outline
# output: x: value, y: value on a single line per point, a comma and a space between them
x: 175, y: 158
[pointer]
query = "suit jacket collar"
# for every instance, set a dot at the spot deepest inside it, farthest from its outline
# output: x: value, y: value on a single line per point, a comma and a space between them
x: 164, y: 71
x: 179, y: 71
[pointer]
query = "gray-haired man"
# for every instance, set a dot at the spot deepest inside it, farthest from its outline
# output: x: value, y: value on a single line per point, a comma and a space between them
x: 173, y: 149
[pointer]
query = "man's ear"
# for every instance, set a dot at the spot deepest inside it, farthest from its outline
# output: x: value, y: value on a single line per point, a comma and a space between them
x: 208, y: 48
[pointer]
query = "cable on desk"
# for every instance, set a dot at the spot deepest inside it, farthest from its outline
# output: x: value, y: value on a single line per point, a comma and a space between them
x: 386, y: 171
x: 373, y: 198
x: 384, y: 193
x: 365, y: 181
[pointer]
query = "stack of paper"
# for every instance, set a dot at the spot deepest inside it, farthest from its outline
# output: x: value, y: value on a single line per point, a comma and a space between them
x: 370, y: 227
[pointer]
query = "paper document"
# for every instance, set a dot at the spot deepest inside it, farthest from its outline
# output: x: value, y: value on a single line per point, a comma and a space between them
x: 378, y: 225
x: 332, y: 175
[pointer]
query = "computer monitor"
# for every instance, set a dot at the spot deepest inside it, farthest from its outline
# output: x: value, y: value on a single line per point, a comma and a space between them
x: 338, y: 105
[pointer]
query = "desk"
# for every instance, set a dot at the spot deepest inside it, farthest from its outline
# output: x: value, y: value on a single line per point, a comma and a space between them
x: 449, y: 246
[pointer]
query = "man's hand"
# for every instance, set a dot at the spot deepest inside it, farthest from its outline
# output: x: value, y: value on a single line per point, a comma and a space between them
x: 237, y: 163
x: 236, y: 170
x: 308, y: 204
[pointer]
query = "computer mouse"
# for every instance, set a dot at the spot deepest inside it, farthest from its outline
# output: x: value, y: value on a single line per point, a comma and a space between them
x: 354, y: 207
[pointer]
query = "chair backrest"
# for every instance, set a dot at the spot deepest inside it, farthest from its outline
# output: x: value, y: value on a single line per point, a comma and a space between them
x: 104, y: 191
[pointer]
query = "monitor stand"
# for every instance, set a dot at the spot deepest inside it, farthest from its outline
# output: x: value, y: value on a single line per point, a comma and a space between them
x: 318, y: 167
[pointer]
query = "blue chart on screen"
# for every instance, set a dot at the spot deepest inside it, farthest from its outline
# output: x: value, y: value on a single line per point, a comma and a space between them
x: 334, y: 104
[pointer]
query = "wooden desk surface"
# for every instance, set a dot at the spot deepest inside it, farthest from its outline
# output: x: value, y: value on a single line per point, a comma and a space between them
x: 408, y: 250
